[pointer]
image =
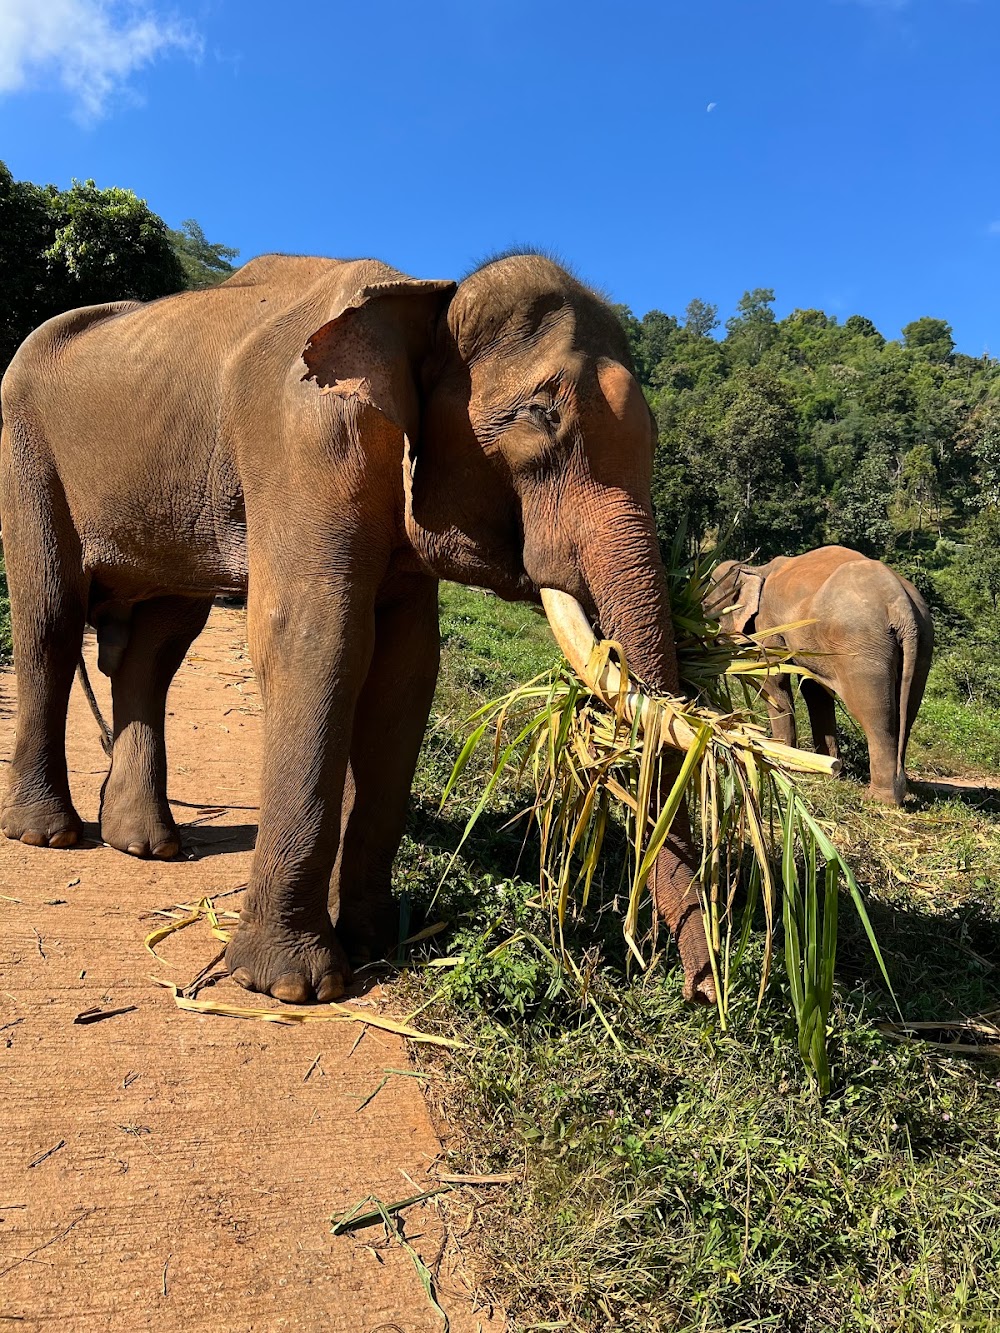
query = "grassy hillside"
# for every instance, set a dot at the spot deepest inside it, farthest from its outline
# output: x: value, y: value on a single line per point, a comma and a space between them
x: 685, y: 1178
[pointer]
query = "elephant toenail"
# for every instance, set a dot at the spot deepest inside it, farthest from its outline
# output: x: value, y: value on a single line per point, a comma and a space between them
x: 164, y: 851
x: 65, y: 839
x: 244, y: 978
x: 137, y: 849
x: 33, y: 839
x: 290, y: 989
x: 331, y: 987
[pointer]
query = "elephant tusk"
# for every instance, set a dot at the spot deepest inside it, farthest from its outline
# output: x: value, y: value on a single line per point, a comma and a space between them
x: 572, y: 629
x: 575, y: 636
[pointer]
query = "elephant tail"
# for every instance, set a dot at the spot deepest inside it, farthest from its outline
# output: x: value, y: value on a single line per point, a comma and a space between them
x: 909, y: 642
x: 107, y: 736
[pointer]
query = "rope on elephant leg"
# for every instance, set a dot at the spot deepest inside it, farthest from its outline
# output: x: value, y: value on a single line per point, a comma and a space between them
x: 107, y: 736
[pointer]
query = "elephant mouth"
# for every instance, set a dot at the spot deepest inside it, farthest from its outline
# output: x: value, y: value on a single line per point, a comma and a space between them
x: 575, y: 636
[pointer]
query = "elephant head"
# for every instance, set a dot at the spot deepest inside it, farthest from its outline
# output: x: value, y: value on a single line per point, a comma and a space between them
x: 735, y: 595
x: 528, y: 442
x: 534, y: 463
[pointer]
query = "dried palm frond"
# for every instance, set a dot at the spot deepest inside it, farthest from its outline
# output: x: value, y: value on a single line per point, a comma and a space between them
x: 595, y: 748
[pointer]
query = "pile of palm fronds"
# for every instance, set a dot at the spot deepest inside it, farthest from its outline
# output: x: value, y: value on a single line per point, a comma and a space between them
x: 590, y: 761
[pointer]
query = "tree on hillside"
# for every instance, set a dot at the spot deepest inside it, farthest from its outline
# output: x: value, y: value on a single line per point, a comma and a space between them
x: 859, y: 326
x: 752, y: 330
x: 657, y: 337
x: 763, y: 502
x: 982, y: 434
x: 930, y: 338
x: 919, y: 477
x: 204, y: 262
x: 25, y: 233
x: 109, y: 246
x: 700, y: 318
x: 859, y: 511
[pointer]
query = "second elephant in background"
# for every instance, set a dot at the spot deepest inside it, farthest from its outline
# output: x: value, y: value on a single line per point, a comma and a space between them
x: 870, y: 644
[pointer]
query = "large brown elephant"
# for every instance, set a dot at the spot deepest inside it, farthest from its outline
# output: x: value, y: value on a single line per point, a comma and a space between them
x: 334, y: 437
x: 870, y: 643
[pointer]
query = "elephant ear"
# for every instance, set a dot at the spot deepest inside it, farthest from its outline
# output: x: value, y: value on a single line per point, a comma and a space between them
x: 366, y: 351
x: 749, y: 586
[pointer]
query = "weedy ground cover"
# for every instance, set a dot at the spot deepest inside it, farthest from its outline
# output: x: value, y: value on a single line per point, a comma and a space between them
x: 679, y: 1177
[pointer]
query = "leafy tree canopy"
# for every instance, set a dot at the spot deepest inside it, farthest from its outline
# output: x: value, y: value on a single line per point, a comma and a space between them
x: 110, y: 246
x: 786, y: 434
x: 930, y: 338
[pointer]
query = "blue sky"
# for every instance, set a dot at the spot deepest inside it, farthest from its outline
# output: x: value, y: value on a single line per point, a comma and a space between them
x: 849, y: 160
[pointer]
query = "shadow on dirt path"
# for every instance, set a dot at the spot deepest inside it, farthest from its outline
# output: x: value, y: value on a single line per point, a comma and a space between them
x: 172, y: 1170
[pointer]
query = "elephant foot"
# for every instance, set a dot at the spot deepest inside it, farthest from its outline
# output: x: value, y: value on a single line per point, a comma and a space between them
x: 889, y: 793
x: 48, y: 822
x: 295, y: 966
x: 139, y: 824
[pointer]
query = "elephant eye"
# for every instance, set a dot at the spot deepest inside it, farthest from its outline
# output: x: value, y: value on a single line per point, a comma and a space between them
x: 546, y: 414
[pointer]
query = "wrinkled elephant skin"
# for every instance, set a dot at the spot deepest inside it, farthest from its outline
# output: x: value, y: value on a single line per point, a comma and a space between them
x: 332, y: 437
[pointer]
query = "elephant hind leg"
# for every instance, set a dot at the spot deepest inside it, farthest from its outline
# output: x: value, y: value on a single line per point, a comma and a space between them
x: 874, y: 706
x: 135, y: 815
x: 48, y: 596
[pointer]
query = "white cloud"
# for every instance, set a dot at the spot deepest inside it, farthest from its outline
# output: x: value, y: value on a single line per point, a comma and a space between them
x: 89, y: 47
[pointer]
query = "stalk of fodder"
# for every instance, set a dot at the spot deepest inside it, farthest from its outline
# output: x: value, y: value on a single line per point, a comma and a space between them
x: 596, y: 748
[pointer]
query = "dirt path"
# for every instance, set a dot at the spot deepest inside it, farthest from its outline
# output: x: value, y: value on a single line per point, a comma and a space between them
x: 171, y: 1170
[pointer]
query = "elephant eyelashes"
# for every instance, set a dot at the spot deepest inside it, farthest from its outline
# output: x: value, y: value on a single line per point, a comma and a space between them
x: 546, y: 414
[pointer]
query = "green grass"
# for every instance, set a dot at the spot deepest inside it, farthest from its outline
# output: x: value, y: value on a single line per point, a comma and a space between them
x: 685, y: 1178
x: 485, y: 642
x: 954, y: 738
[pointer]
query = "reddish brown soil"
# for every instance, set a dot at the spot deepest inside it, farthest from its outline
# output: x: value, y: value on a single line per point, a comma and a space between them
x: 194, y: 1161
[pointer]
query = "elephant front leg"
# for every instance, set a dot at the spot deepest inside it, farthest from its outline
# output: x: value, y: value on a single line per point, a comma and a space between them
x: 388, y: 729
x: 311, y: 645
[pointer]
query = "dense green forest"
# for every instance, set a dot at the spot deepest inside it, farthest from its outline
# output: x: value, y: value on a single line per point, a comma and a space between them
x: 783, y: 435
x: 786, y: 434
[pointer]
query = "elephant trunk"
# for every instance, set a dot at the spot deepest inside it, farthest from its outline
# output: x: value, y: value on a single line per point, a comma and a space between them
x: 623, y: 571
